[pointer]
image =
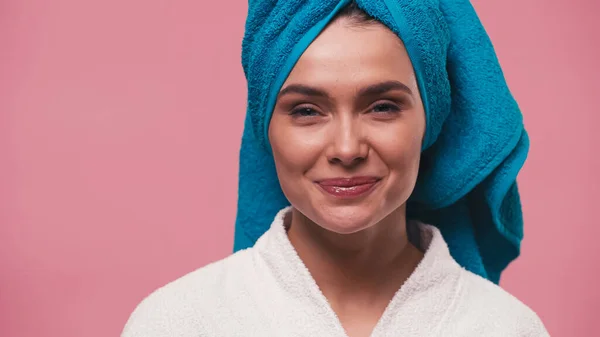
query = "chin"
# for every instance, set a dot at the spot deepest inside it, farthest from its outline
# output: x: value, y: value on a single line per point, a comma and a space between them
x: 346, y: 219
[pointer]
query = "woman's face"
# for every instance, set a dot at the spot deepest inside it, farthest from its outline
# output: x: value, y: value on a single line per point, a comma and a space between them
x: 347, y: 128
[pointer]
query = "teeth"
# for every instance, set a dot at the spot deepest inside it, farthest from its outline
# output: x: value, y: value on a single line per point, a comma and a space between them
x: 344, y: 189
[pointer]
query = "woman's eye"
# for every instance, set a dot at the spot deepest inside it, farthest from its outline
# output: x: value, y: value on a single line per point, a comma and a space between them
x: 385, y: 108
x: 304, y: 112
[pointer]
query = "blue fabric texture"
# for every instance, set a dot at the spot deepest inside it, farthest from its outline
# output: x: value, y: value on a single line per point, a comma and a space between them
x: 475, y: 142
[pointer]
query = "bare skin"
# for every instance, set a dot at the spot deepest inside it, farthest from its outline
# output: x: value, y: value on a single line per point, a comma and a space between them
x: 351, y: 107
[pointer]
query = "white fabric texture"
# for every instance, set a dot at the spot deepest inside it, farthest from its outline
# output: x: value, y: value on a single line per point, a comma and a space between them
x: 266, y: 290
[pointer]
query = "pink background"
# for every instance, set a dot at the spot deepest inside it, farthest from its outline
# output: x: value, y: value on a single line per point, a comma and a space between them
x: 120, y: 123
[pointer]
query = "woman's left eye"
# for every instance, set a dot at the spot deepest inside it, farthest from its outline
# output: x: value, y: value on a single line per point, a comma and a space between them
x: 385, y: 108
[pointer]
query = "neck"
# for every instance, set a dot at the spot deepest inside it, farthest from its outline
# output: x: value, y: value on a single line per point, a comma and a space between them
x: 365, y: 267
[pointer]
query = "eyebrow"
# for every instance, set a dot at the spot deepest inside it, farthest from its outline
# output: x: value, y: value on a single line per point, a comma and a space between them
x: 302, y: 90
x: 372, y: 90
x: 383, y: 87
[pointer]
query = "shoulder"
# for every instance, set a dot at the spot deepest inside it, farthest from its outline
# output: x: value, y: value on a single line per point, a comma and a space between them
x: 181, y: 307
x: 484, y: 308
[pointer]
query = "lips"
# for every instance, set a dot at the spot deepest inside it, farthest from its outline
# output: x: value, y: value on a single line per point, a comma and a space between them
x: 348, y: 187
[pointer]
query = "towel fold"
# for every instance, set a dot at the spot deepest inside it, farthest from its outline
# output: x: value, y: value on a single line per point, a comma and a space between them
x: 474, y: 145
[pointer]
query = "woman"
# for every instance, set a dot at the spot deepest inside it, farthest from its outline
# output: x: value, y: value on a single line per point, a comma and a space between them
x: 349, y: 130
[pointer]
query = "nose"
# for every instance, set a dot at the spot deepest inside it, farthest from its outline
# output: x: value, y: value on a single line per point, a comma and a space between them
x: 347, y: 144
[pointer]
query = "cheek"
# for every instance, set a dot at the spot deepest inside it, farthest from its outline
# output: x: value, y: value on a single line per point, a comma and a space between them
x: 294, y: 150
x: 400, y: 150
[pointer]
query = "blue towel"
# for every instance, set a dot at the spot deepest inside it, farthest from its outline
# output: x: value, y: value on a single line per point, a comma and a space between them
x: 475, y: 142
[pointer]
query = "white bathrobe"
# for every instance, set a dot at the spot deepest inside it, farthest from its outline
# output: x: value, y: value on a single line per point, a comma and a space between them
x: 267, y: 291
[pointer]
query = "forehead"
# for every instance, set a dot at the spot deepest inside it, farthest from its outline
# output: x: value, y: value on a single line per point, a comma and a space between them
x: 349, y: 54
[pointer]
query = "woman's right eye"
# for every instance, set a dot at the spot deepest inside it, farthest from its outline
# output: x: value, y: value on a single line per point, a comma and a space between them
x: 304, y: 112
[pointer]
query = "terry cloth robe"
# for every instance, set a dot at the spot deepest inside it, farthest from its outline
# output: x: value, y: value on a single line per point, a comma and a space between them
x: 266, y: 291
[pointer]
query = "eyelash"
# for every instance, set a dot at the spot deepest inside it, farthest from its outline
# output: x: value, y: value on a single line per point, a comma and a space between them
x: 297, y: 112
x: 391, y: 109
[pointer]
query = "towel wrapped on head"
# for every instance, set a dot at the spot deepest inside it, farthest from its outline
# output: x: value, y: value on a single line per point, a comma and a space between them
x: 474, y: 145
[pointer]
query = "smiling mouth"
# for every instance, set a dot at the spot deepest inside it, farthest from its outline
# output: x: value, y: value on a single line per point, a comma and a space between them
x: 348, y: 188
